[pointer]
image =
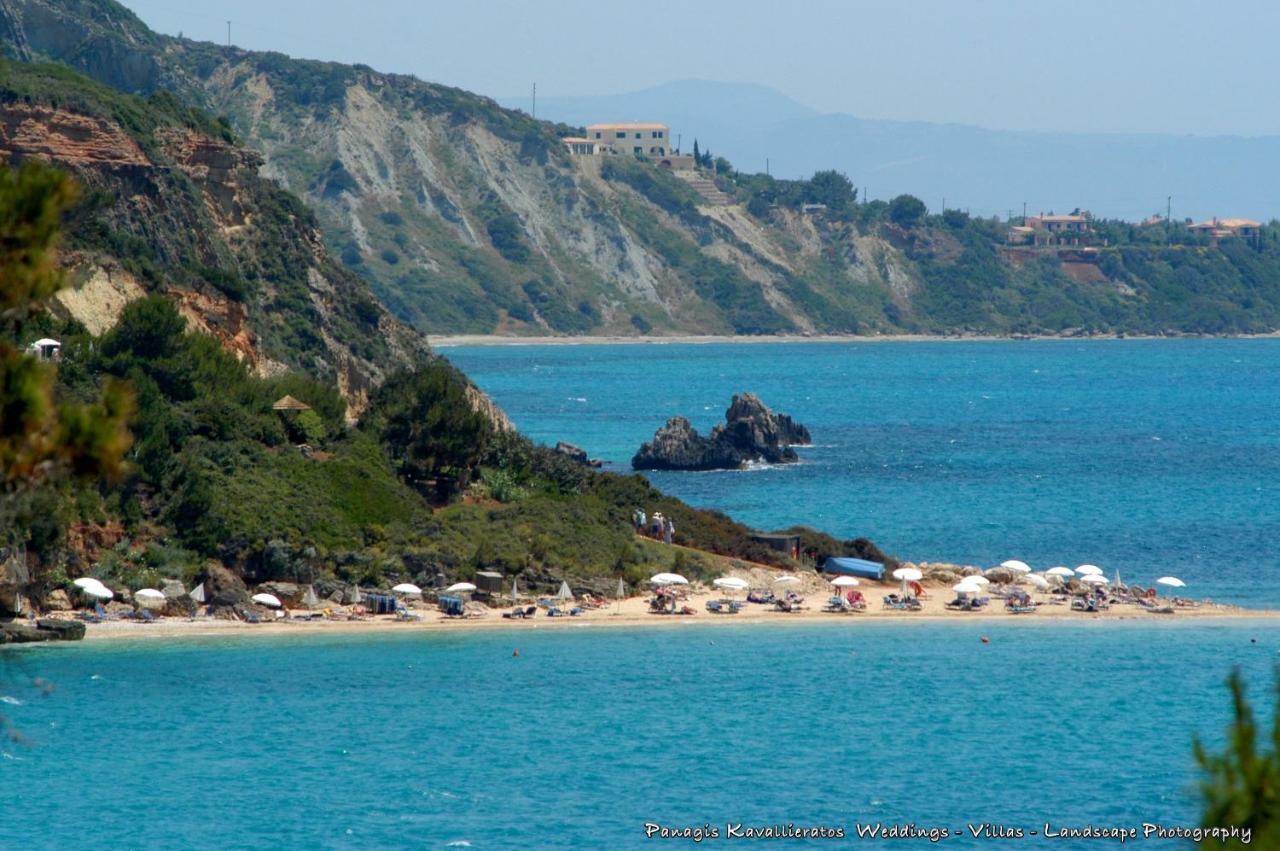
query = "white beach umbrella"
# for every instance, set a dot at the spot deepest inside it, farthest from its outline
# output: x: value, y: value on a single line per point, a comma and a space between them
x: 407, y: 588
x: 844, y: 582
x: 269, y: 600
x: 905, y: 575
x: 565, y: 592
x: 197, y: 593
x: 1171, y: 581
x: 965, y: 587
x: 668, y: 579
x: 149, y: 597
x: 85, y: 582
x: 309, y: 598
x: 730, y: 583
x: 460, y: 588
x: 1095, y: 579
x: 978, y: 580
x: 1062, y: 572
x: 1089, y: 570
x: 1016, y: 566
x: 515, y: 590
x: 98, y: 591
x: 1038, y: 581
x: 786, y: 580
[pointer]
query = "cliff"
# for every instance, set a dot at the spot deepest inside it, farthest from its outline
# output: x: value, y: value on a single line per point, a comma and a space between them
x: 171, y: 207
x: 469, y: 218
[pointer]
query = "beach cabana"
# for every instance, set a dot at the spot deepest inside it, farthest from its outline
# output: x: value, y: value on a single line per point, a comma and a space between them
x: 288, y: 403
x: 842, y: 566
x: 489, y: 582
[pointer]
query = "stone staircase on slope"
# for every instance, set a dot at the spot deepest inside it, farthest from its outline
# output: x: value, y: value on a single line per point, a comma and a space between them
x: 705, y: 187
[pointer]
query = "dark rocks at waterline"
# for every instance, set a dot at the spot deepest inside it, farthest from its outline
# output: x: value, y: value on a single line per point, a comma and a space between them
x: 751, y: 432
x: 578, y: 454
x: 45, y: 629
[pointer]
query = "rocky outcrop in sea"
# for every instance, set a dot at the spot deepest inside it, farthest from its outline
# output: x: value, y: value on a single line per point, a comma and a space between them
x: 751, y: 432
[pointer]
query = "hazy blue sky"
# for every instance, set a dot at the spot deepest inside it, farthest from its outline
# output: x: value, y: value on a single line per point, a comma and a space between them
x: 1132, y: 66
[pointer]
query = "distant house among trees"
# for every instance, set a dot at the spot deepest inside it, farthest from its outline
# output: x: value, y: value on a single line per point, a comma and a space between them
x: 1052, y: 229
x: 1217, y: 229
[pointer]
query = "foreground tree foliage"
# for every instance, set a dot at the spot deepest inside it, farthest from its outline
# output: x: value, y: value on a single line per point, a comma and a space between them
x: 1242, y: 783
x: 42, y: 437
x: 428, y: 425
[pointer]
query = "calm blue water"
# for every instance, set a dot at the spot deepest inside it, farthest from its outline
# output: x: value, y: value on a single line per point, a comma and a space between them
x: 1151, y: 457
x: 419, y: 741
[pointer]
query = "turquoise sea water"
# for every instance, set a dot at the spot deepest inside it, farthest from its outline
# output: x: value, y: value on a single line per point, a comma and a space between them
x: 1149, y: 456
x: 432, y: 740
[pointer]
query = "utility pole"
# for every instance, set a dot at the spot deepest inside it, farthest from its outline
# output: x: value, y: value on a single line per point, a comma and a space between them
x: 766, y: 166
x: 534, y: 112
x: 228, y: 33
x: 1024, y: 213
x: 1168, y: 219
x: 679, y: 139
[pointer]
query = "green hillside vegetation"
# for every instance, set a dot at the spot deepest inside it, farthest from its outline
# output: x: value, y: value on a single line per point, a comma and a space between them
x: 422, y: 485
x: 216, y: 473
x: 250, y: 242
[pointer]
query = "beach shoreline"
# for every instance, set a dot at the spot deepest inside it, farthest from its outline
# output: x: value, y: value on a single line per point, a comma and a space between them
x: 634, y: 614
x: 447, y: 341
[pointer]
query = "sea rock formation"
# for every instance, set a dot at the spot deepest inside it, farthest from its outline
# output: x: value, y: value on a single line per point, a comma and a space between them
x: 751, y: 432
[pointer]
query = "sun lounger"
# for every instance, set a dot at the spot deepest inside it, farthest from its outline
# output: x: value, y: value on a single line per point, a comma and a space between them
x: 555, y: 612
x: 714, y: 607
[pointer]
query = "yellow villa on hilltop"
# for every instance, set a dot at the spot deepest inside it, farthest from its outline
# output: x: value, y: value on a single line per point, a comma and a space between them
x: 631, y: 138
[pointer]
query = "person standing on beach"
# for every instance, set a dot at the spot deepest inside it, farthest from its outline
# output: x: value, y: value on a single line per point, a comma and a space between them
x: 670, y: 531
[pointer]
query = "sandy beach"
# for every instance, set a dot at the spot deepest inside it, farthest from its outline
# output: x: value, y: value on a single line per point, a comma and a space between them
x: 634, y: 612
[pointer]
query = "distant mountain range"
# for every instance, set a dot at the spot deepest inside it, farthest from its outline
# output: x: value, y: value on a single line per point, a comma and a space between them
x: 985, y: 171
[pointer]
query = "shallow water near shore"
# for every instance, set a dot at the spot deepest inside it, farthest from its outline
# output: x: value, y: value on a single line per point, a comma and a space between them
x: 433, y: 740
x: 1150, y: 457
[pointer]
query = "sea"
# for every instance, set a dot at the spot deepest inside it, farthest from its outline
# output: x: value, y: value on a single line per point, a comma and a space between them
x: 1148, y: 458
x: 1144, y: 457
x: 590, y: 734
